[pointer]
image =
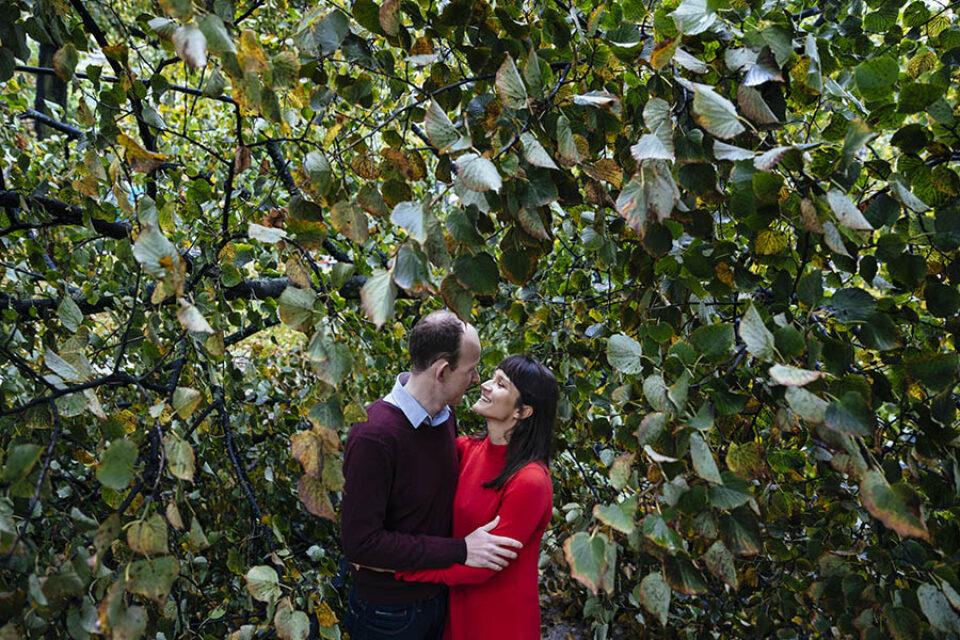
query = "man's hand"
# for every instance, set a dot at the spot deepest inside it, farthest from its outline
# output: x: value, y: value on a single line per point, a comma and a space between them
x: 487, y: 551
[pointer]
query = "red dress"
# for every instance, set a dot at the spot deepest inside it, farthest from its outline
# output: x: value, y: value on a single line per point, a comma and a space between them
x: 487, y: 604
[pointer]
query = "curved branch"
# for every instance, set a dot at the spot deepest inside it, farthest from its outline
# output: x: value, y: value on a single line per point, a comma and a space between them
x: 63, y: 214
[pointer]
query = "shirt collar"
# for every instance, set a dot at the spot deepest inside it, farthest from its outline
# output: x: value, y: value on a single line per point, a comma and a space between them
x: 413, y: 410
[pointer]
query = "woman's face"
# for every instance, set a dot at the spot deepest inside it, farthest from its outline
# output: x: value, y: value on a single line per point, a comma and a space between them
x: 498, y: 399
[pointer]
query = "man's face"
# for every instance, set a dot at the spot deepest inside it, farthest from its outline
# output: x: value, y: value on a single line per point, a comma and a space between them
x: 457, y: 381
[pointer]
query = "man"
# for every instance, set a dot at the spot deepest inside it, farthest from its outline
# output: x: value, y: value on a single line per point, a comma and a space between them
x: 401, y: 475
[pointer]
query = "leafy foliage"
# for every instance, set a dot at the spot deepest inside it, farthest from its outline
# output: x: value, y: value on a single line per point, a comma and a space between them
x: 731, y: 229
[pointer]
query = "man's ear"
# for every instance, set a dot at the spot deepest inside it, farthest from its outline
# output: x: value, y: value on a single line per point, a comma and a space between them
x: 524, y: 412
x: 440, y: 369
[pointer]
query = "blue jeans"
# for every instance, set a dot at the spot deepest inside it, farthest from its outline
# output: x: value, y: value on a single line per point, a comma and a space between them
x: 423, y: 620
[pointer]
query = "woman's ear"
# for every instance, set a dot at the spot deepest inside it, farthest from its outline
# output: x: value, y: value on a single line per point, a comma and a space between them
x: 524, y: 412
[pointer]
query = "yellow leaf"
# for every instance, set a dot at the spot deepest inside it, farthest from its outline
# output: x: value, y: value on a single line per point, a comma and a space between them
x: 139, y: 158
x: 250, y: 55
x: 724, y: 273
x: 770, y: 242
x: 663, y: 53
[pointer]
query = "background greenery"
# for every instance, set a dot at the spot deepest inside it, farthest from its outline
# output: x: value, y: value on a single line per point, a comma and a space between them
x: 731, y: 228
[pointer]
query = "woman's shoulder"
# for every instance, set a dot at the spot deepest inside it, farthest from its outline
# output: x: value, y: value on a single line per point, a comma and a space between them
x: 467, y: 443
x: 533, y: 475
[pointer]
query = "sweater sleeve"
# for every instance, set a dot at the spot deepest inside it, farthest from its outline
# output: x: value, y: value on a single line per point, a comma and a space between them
x: 527, y: 500
x: 368, y: 470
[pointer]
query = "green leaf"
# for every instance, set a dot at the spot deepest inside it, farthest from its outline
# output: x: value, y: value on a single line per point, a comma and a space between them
x: 152, y: 578
x: 713, y: 341
x: 60, y: 366
x: 180, y: 457
x: 756, y: 336
x: 185, y: 401
x: 148, y: 537
x: 69, y: 313
x: 650, y: 147
x: 20, y: 460
x: 410, y: 217
x: 852, y: 304
x: 566, y: 145
x: 656, y: 392
x: 937, y: 609
x: 719, y: 561
x: 263, y: 583
x: 268, y: 235
x: 651, y: 427
x: 621, y: 517
x: 724, y: 151
x: 440, y: 130
x: 318, y: 169
x: 154, y: 252
x: 810, y: 289
x: 620, y: 470
x: 683, y: 576
x: 693, y: 17
x: 850, y: 415
x: 896, y: 507
x: 715, y: 113
x: 191, y: 319
x: 655, y: 596
x: 478, y: 273
x: 740, y: 532
x: 295, y: 307
x: 532, y: 74
x: 792, y: 376
x: 586, y: 558
x: 754, y: 106
x: 846, y: 212
x: 457, y: 298
x: 624, y: 354
x: 806, y: 405
x: 875, y: 77
x: 902, y: 623
x: 190, y: 45
x: 732, y: 493
x: 116, y: 465
x: 510, y: 86
x: 655, y: 528
x: 218, y: 38
x: 703, y: 462
x: 942, y: 301
x: 65, y: 61
x: 350, y: 220
x: 377, y: 296
x: 651, y: 195
x: 291, y: 624
x: 331, y: 30
x: 331, y: 359
x: 534, y: 152
x: 478, y: 173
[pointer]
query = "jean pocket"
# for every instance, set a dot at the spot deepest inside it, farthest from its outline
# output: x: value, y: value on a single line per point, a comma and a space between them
x: 390, y: 620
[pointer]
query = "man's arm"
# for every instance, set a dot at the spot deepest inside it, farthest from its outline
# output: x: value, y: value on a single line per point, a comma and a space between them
x: 368, y: 470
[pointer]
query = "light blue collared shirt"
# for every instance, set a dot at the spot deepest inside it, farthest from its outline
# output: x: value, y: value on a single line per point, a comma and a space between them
x: 413, y: 410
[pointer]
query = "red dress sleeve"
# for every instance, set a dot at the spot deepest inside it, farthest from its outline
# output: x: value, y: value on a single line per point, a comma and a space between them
x: 527, y: 497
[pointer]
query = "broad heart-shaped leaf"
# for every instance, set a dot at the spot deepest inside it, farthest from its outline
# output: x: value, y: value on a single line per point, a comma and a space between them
x: 740, y: 532
x: 291, y: 624
x: 753, y: 105
x: 902, y: 623
x: 847, y: 212
x: 793, y: 377
x: 295, y: 307
x: 128, y: 623
x: 715, y: 113
x: 693, y: 17
x: 937, y: 609
x: 850, y: 415
x: 620, y: 470
x: 440, y: 130
x: 218, y: 38
x: 350, y: 220
x: 60, y: 366
x: 534, y: 152
x: 478, y: 173
x: 656, y: 392
x: 457, y: 298
x: 683, y: 576
x: 153, y: 578
x: 624, y: 354
x: 69, y: 313
x: 655, y: 596
x: 745, y: 460
x: 724, y: 151
x: 566, y: 145
x: 733, y: 493
x: 876, y: 76
x: 330, y: 359
x: 755, y: 335
x: 180, y: 457
x: 510, y: 85
x: 190, y: 45
x: 586, y: 556
x: 148, y: 537
x: 390, y: 17
x: 378, y: 296
x: 116, y: 465
x: 703, y: 462
x: 719, y: 561
x: 477, y: 273
x: 269, y: 235
x: 263, y: 583
x: 20, y: 460
x: 533, y: 75
x: 318, y: 169
x: 649, y: 147
x: 659, y: 532
x: 185, y: 401
x: 651, y: 427
x: 191, y: 318
x: 651, y: 192
x: 154, y: 252
x: 410, y: 217
x: 331, y: 31
x: 806, y: 405
x: 897, y: 507
x: 713, y: 341
x: 935, y: 371
x: 314, y: 496
x: 306, y: 447
x: 621, y: 517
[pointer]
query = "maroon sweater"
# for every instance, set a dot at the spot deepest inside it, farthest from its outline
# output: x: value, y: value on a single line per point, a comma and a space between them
x: 397, y: 507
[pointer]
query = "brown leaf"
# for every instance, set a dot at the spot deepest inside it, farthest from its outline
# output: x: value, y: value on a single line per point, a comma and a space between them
x: 241, y: 159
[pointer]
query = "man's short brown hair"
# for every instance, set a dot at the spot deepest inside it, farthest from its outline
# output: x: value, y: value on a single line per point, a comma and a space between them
x: 437, y: 336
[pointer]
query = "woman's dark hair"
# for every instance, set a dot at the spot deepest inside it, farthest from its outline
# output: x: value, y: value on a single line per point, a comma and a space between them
x: 531, y: 439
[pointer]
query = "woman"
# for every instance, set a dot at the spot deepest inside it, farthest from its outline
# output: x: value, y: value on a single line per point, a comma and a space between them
x: 503, y: 474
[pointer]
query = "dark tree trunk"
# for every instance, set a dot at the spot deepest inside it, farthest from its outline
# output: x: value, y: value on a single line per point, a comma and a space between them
x: 50, y: 88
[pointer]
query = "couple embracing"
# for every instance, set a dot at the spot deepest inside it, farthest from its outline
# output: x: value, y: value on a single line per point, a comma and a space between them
x: 444, y: 532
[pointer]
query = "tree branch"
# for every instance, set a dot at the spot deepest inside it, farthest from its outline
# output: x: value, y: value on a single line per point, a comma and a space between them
x: 63, y: 214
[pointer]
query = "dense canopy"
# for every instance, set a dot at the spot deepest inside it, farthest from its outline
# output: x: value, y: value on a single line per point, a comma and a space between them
x: 731, y: 227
